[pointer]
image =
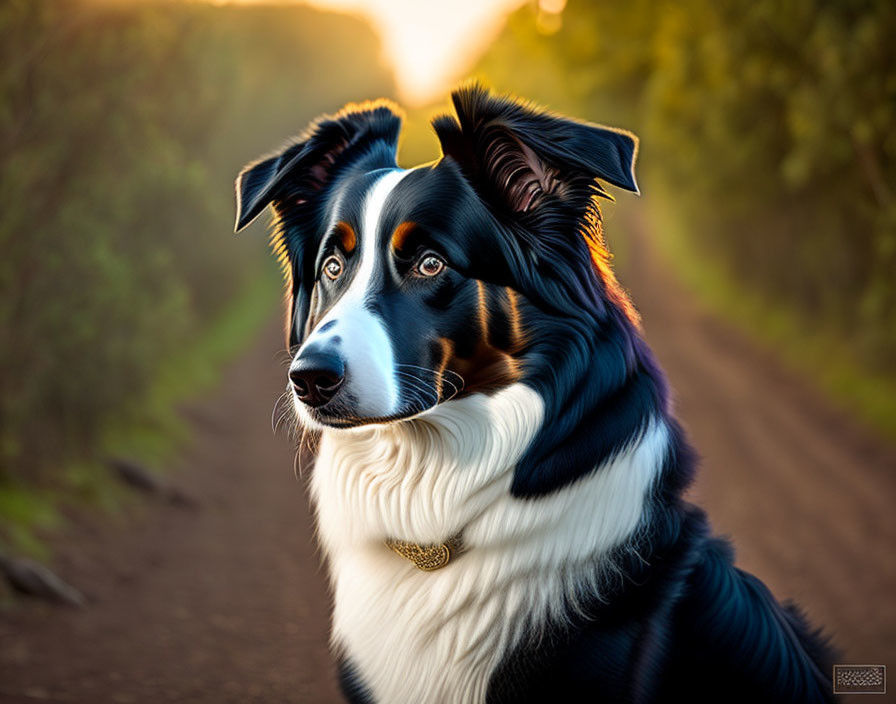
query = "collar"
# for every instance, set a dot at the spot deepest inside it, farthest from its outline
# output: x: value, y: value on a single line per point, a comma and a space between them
x: 428, y: 558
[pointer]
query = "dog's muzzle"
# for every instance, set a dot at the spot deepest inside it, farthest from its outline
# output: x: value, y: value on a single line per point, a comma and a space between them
x: 316, y: 376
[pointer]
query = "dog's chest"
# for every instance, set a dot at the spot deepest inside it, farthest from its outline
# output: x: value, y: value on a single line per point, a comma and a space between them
x: 414, y: 636
x: 421, y: 637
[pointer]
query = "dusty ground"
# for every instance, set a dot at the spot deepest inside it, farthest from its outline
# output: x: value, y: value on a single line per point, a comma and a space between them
x: 229, y: 604
x: 224, y: 604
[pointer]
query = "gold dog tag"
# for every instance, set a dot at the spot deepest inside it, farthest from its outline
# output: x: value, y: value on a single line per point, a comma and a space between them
x: 427, y: 558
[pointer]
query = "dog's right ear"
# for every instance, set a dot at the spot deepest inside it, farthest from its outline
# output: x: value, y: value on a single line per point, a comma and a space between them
x: 303, y: 168
x: 296, y: 181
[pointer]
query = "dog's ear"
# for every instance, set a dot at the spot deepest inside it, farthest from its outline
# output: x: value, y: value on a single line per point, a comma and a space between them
x: 523, y: 160
x: 296, y: 179
x: 303, y: 168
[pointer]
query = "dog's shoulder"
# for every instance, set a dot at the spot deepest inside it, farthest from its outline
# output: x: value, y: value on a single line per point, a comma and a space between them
x: 687, y: 624
x: 612, y: 647
x: 731, y: 634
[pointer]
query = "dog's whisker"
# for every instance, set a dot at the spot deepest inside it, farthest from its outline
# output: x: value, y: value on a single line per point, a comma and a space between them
x: 435, y: 375
x: 421, y: 387
x: 458, y: 387
x: 283, y: 356
x: 283, y: 406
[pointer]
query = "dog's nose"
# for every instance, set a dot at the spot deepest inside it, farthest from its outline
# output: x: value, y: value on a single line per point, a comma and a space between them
x: 316, y: 377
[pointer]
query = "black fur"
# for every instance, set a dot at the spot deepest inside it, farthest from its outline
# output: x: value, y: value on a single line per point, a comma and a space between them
x: 681, y: 625
x: 350, y: 683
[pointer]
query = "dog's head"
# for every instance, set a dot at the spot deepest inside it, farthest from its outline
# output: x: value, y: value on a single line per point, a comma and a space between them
x: 410, y: 287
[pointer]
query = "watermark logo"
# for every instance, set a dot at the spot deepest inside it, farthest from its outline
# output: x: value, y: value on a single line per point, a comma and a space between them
x: 860, y: 679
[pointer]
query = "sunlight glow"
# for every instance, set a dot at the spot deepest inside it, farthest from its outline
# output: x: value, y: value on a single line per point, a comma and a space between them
x: 429, y: 43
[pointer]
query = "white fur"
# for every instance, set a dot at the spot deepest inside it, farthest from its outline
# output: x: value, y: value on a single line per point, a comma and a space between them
x: 437, y: 637
x: 369, y: 359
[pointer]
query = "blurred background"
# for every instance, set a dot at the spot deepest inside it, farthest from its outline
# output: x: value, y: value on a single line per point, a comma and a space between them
x: 154, y: 542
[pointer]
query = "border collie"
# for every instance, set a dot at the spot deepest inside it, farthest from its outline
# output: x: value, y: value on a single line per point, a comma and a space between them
x: 499, y: 474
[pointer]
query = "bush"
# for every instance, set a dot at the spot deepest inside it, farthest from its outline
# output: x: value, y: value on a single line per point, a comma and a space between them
x: 770, y: 126
x: 122, y: 127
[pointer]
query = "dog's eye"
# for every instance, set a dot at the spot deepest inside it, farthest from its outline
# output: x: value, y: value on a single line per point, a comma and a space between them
x: 430, y: 264
x: 332, y: 267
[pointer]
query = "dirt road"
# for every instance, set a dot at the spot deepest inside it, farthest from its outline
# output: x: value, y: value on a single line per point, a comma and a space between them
x: 224, y: 604
x: 229, y: 604
x: 808, y: 496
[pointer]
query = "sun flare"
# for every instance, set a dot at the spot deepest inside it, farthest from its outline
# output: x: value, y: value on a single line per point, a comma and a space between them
x: 429, y: 44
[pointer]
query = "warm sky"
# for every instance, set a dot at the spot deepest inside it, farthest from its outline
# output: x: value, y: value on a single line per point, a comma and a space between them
x: 430, y: 43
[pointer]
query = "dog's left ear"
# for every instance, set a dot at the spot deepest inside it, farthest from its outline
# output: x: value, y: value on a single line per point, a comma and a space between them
x: 522, y: 159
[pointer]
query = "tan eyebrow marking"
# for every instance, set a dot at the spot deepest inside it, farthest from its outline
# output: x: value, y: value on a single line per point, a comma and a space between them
x: 400, y: 235
x: 347, y: 236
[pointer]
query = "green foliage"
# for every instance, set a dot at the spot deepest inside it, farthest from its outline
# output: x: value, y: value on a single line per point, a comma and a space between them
x: 769, y: 127
x: 122, y: 126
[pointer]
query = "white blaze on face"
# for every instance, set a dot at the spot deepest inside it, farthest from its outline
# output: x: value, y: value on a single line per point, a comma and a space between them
x: 366, y: 348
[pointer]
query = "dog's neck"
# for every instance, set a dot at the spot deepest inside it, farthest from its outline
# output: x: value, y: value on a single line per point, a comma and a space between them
x: 525, y: 559
x: 450, y: 470
x: 426, y: 479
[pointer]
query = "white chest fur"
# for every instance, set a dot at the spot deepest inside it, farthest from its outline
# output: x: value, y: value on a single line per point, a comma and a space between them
x: 437, y: 636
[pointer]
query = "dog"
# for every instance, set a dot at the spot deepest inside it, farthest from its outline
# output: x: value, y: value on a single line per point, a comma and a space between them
x: 499, y: 476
